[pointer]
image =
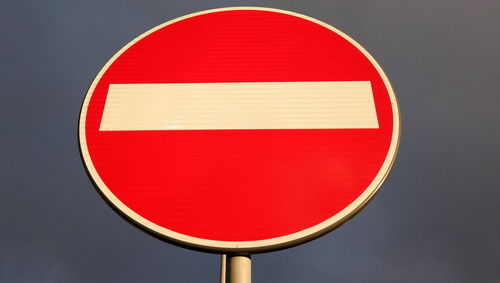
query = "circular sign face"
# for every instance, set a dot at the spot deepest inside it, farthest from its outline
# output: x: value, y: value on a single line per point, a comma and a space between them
x: 240, y: 129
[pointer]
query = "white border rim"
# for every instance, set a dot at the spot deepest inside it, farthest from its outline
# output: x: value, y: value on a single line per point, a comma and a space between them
x: 258, y: 245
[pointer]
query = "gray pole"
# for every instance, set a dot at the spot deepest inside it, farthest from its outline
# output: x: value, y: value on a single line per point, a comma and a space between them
x: 240, y: 268
x: 223, y: 268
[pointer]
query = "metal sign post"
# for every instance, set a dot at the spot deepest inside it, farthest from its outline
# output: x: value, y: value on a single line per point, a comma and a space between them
x: 236, y: 269
x: 240, y: 269
x: 223, y: 268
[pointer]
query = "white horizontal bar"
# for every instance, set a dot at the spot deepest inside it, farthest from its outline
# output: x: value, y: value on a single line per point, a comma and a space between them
x: 261, y: 105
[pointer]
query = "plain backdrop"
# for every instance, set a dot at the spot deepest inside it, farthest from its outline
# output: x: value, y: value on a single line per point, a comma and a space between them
x: 436, y: 218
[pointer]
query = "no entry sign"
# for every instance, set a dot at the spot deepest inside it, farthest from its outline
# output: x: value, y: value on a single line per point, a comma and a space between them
x: 240, y: 129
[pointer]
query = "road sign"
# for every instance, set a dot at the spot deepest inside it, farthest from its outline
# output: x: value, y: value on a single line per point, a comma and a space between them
x: 240, y: 129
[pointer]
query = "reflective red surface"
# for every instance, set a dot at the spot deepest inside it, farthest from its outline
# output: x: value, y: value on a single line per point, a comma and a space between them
x: 237, y: 185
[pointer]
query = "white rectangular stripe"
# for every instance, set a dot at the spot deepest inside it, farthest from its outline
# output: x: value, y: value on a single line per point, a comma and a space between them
x: 261, y: 105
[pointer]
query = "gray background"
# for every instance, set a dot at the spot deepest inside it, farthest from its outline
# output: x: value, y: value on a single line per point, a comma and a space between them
x: 436, y: 219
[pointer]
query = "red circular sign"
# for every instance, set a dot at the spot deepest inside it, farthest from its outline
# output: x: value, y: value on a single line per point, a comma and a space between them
x: 240, y: 129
